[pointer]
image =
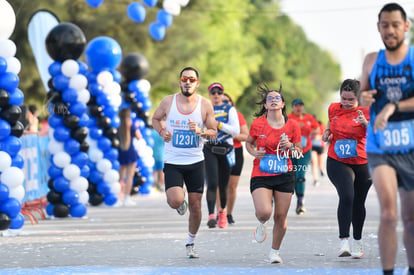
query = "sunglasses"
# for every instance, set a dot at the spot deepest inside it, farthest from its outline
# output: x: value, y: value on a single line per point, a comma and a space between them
x: 226, y: 101
x: 271, y: 98
x: 186, y: 78
x: 219, y: 92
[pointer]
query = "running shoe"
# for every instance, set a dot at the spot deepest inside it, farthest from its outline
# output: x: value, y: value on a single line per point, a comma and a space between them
x: 129, y: 202
x: 356, y: 251
x: 191, y: 252
x: 315, y: 183
x: 230, y: 219
x: 345, y: 251
x: 300, y: 210
x: 274, y: 257
x: 182, y: 209
x: 222, y: 221
x: 260, y: 232
x: 212, y: 222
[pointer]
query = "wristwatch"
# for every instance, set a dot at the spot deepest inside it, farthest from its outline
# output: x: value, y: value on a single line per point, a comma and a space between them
x: 396, y: 106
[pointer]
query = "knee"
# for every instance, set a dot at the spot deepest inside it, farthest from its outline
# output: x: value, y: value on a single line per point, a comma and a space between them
x: 389, y: 218
x: 174, y: 202
x: 280, y: 220
x: 408, y: 222
x: 263, y: 214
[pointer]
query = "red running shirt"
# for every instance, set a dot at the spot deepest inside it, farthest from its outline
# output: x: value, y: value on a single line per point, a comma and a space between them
x: 242, y: 121
x: 307, y: 124
x: 343, y: 126
x: 261, y: 127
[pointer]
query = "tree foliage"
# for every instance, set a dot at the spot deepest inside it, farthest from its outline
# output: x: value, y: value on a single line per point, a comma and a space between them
x: 238, y: 43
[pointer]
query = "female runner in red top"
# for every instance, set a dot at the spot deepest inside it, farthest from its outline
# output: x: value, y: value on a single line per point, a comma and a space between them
x: 277, y: 140
x: 347, y: 164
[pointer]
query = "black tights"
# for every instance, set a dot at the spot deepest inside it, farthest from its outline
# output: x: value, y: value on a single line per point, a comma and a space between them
x: 352, y: 182
x: 217, y: 174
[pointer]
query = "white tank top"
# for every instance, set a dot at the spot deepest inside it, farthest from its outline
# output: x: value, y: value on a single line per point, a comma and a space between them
x: 185, y: 147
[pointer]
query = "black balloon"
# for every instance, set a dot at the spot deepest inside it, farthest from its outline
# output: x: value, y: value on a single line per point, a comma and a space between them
x: 60, y: 108
x: 54, y: 96
x: 4, y: 98
x: 54, y: 197
x: 104, y: 122
x: 115, y: 142
x: 17, y: 129
x: 95, y: 199
x: 84, y: 146
x: 129, y: 97
x: 134, y: 66
x: 50, y: 83
x: 60, y: 210
x: 71, y: 121
x: 4, y: 221
x: 80, y: 134
x: 65, y: 41
x: 136, y: 106
x: 11, y: 113
x: 111, y: 133
x: 95, y: 110
x: 50, y: 184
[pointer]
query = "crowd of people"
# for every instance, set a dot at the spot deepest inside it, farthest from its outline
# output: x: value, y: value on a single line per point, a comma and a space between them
x: 368, y: 139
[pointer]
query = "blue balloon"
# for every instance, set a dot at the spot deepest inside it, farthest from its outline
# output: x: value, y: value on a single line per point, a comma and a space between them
x: 84, y: 120
x: 85, y: 171
x: 83, y: 68
x: 95, y: 176
x: 61, y: 133
x: 60, y: 82
x: 95, y: 132
x: 70, y: 197
x: 112, y: 154
x: 91, y: 76
x: 49, y: 209
x: 110, y: 199
x: 94, y: 4
x: 103, y: 53
x: 133, y: 86
x: 54, y: 171
x: 77, y: 210
x: 78, y: 108
x: 11, y: 145
x: 116, y: 165
x: 80, y: 159
x: 116, y: 75
x: 55, y: 68
x: 61, y: 184
x: 157, y: 31
x: 103, y: 188
x: 17, y: 161
x: 145, y: 189
x: 17, y: 222
x: 104, y: 144
x: 55, y: 121
x: 150, y: 3
x: 5, y: 129
x: 16, y: 97
x: 70, y: 95
x: 71, y: 146
x: 115, y: 122
x: 136, y: 12
x: 4, y: 192
x: 9, y: 81
x: 146, y: 105
x: 3, y: 65
x: 103, y: 100
x: 11, y: 207
x: 110, y: 111
x: 164, y: 18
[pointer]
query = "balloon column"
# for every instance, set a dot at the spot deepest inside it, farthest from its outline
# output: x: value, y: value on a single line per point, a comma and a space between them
x: 137, y: 13
x: 103, y: 55
x: 68, y: 119
x: 11, y: 97
x: 135, y: 92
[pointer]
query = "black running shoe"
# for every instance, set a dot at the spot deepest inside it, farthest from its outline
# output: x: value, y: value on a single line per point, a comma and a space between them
x: 230, y: 219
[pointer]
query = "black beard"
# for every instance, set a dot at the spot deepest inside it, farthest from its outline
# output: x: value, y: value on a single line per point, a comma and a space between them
x: 187, y: 94
x: 396, y: 47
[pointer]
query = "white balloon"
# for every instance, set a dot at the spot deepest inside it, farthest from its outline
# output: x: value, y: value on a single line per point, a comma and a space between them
x: 171, y: 7
x: 104, y: 78
x: 84, y: 96
x: 70, y: 68
x: 115, y: 187
x: 144, y: 86
x: 7, y: 47
x: 78, y: 82
x: 116, y: 100
x: 51, y: 131
x: 12, y: 177
x: 5, y: 161
x: 8, y: 20
x: 103, y: 165
x: 183, y: 3
x: 83, y: 197
x: 55, y: 146
x: 71, y: 172
x: 111, y: 175
x: 61, y: 159
x: 17, y: 192
x: 95, y: 155
x: 13, y: 65
x: 79, y: 184
x: 112, y: 88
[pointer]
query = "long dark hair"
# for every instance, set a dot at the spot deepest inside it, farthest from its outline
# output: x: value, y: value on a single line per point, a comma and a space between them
x: 263, y: 90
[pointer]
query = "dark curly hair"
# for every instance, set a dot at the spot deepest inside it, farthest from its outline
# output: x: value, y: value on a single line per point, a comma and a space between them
x: 263, y: 90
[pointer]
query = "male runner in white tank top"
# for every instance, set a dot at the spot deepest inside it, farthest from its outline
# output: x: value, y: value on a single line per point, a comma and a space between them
x: 189, y: 118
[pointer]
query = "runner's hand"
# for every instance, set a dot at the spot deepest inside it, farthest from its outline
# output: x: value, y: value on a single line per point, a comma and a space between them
x: 367, y: 98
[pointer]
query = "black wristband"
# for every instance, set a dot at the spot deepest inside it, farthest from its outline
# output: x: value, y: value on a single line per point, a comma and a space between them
x: 396, y: 107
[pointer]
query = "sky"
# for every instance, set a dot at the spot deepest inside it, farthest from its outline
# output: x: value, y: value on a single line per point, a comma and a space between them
x: 345, y: 28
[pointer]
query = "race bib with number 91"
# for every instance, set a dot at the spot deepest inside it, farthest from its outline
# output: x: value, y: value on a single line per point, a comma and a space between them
x: 273, y: 164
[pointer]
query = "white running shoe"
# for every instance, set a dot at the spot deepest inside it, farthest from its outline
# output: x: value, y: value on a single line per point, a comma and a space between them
x: 129, y: 202
x: 356, y: 251
x: 345, y: 251
x: 182, y: 209
x: 260, y: 232
x: 274, y: 257
x: 191, y: 252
